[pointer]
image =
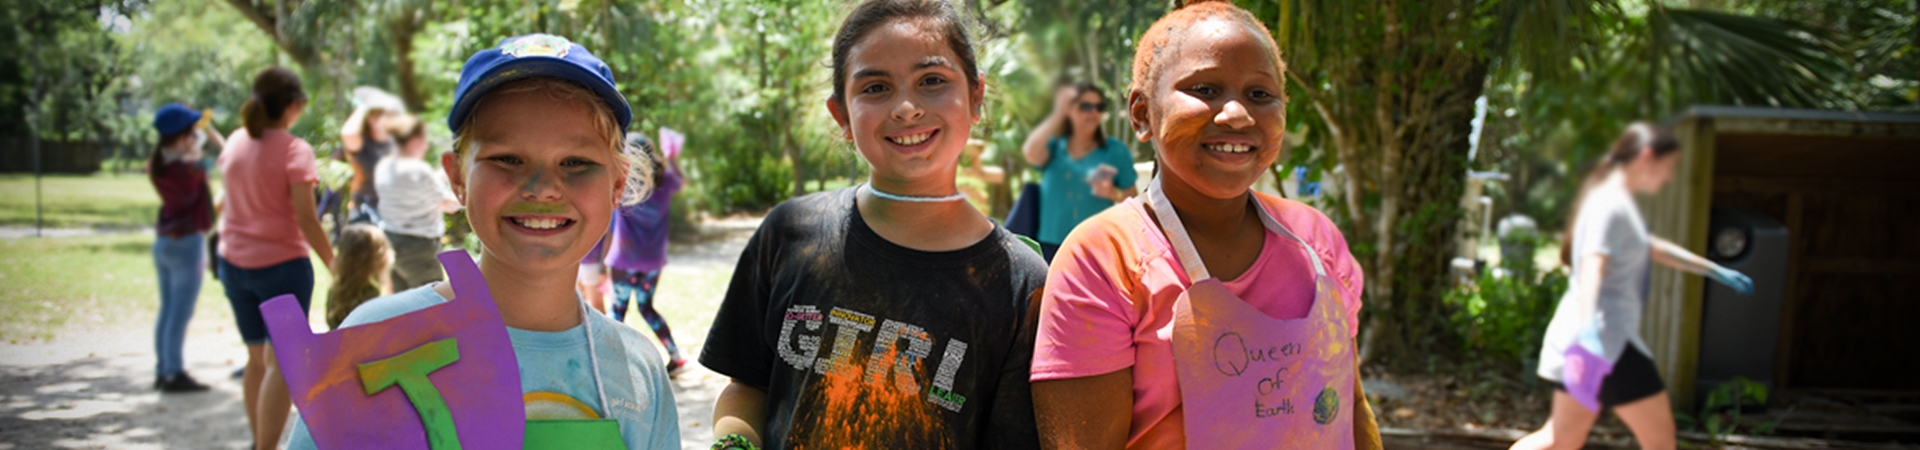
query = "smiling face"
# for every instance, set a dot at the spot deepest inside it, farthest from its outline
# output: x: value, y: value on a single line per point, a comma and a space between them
x: 1086, y: 121
x: 908, y: 107
x: 540, y: 181
x: 1214, y: 112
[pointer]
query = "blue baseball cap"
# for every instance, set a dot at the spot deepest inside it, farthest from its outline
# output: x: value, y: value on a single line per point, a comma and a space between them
x: 174, y: 118
x: 535, y: 55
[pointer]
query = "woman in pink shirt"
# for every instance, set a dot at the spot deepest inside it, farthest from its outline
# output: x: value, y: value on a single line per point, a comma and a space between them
x: 1201, y: 314
x: 267, y: 227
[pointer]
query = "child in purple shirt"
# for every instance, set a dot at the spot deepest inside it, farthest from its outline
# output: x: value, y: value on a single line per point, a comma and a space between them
x: 638, y: 249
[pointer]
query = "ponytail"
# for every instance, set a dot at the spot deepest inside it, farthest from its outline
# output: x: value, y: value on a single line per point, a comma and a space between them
x: 1640, y: 136
x: 254, y: 117
x: 273, y: 90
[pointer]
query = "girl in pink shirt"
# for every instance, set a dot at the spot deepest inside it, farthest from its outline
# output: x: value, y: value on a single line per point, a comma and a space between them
x: 1202, y: 314
x: 267, y: 226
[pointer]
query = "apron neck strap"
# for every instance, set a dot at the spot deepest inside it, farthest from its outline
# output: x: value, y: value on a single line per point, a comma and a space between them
x: 1183, y: 243
x: 593, y: 357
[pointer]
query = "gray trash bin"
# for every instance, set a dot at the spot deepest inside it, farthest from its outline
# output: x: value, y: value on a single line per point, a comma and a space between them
x: 1739, y: 334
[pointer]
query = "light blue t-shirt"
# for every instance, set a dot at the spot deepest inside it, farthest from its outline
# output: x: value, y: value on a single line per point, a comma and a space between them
x: 1066, y: 198
x: 555, y: 370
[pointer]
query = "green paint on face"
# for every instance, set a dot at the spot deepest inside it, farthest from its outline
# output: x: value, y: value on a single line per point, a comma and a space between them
x: 536, y: 208
x: 584, y: 175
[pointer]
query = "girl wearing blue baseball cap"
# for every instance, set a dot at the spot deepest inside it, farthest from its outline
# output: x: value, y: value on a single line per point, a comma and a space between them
x: 537, y: 163
x: 179, y: 174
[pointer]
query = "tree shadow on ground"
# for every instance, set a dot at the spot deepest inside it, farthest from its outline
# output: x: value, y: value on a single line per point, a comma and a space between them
x: 92, y: 403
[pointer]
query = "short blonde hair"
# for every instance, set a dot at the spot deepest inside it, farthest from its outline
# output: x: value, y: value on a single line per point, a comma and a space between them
x: 637, y: 167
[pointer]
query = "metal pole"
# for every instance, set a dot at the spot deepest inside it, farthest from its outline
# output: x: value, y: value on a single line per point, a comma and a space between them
x: 39, y: 219
x: 33, y: 135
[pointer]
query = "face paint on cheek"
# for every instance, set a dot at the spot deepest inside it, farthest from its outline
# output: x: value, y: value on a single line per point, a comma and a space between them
x: 584, y: 175
x: 525, y: 208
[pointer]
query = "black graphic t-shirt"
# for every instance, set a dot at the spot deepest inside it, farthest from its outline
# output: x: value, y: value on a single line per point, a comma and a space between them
x: 861, y: 343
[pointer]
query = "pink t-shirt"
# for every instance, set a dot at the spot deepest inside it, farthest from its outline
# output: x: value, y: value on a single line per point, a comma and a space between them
x: 258, y: 227
x: 1110, y: 294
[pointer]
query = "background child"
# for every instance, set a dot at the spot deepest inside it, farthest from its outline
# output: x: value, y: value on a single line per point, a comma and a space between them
x: 1251, y: 345
x: 178, y: 172
x: 359, y: 270
x: 536, y: 162
x: 891, y: 314
x: 637, y: 249
x: 413, y: 208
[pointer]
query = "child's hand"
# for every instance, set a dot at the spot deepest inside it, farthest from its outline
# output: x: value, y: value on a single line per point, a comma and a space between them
x: 1733, y: 279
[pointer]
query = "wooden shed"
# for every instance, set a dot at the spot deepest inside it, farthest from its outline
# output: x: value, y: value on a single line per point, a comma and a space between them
x: 1846, y: 186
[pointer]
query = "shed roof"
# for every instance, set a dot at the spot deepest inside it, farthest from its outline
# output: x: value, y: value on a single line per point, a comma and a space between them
x: 1803, y: 122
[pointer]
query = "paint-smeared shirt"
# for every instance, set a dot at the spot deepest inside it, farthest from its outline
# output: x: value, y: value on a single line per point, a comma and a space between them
x: 861, y: 343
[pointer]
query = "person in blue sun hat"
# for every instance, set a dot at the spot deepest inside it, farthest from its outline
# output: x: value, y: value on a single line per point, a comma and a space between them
x: 537, y: 163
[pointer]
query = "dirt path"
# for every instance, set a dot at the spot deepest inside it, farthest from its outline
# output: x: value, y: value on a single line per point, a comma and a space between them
x: 90, y: 386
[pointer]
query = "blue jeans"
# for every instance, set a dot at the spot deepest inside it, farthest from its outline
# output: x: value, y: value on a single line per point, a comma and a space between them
x: 180, y: 261
x: 248, y: 288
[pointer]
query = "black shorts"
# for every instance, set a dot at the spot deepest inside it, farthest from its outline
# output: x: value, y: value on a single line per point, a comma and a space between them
x: 1633, y: 378
x: 247, y: 289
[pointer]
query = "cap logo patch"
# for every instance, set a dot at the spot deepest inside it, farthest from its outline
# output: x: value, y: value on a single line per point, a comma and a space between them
x: 537, y: 45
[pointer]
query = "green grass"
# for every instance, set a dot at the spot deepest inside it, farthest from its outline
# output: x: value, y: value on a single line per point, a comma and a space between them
x: 106, y: 199
x: 47, y: 285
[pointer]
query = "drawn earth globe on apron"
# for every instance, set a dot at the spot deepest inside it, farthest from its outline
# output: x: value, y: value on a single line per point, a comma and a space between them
x: 1327, y: 407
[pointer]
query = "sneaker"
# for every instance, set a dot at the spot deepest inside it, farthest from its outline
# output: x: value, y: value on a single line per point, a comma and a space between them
x: 240, y: 372
x: 677, y: 367
x: 180, y: 383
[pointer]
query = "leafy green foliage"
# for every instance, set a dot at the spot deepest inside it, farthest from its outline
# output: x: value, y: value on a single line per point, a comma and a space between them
x: 1723, y: 414
x: 1503, y: 314
x: 63, y: 77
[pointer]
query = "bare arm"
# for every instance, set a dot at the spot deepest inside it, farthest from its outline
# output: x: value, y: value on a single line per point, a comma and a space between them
x: 214, y: 137
x: 303, y: 211
x: 1671, y: 255
x: 741, y: 409
x: 350, y: 131
x: 1036, y: 145
x: 1091, y: 412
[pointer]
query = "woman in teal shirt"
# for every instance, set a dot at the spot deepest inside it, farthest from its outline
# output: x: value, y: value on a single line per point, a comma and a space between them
x: 1082, y: 171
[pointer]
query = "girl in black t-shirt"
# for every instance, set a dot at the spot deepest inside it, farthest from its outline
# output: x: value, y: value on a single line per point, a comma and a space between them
x: 891, y: 314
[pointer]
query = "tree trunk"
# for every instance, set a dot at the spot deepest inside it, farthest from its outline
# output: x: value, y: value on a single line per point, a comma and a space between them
x: 269, y: 23
x: 1402, y: 138
x: 400, y: 33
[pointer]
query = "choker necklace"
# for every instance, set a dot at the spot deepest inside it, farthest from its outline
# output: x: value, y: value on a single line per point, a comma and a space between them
x: 912, y: 198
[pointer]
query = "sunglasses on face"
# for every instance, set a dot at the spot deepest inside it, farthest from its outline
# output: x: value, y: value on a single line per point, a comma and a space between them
x: 1091, y: 107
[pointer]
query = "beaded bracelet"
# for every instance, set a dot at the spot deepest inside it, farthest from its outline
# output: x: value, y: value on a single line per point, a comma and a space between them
x: 733, y: 442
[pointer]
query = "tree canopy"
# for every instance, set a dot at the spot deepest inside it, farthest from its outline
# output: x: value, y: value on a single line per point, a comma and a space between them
x: 1386, y: 93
